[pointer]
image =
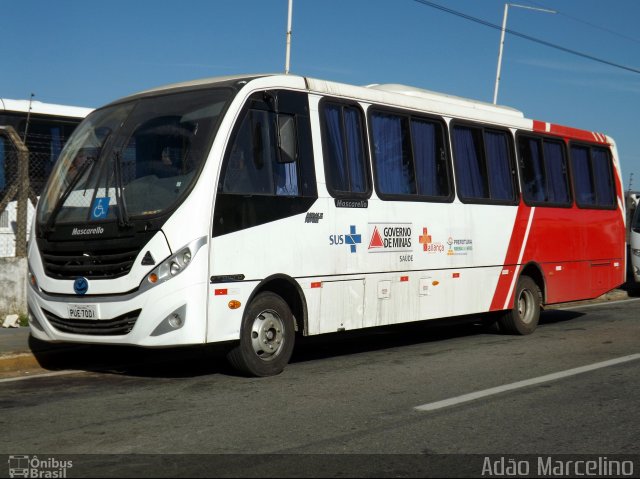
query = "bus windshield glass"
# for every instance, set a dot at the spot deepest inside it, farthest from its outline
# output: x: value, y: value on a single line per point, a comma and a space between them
x: 133, y: 159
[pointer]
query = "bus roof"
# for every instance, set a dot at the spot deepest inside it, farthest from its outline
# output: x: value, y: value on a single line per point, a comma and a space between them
x: 395, y: 95
x: 391, y: 94
x: 40, y: 108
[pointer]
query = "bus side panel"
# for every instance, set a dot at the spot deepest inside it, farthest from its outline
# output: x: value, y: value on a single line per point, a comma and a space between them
x: 335, y: 305
x: 579, y: 251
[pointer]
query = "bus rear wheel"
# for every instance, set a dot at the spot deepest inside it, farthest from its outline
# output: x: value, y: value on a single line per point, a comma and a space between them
x: 267, y: 337
x: 523, y: 318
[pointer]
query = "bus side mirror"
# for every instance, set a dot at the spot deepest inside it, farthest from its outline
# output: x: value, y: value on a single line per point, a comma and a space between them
x: 287, y: 145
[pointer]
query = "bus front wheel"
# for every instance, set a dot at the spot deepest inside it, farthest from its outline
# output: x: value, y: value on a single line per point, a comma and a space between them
x: 266, y: 337
x: 523, y: 318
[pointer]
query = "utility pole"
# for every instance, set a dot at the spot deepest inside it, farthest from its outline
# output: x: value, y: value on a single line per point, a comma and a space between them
x: 504, y: 29
x: 288, y: 54
x: 26, y: 127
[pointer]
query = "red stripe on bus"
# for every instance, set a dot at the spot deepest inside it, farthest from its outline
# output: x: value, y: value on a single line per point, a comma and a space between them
x: 568, y: 132
x: 511, y: 258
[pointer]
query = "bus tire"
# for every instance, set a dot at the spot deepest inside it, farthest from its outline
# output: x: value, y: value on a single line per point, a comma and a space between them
x: 267, y: 337
x: 523, y: 318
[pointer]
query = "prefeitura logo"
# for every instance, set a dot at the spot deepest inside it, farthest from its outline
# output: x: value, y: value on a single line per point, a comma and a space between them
x: 32, y: 466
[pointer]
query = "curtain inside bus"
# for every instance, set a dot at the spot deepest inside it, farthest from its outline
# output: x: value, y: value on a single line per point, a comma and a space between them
x: 468, y: 168
x: 556, y: 169
x: 499, y: 165
x: 426, y: 157
x: 394, y: 169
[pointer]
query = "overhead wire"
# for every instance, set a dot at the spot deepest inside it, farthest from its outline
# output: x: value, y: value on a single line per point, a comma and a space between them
x: 527, y: 37
x: 589, y: 24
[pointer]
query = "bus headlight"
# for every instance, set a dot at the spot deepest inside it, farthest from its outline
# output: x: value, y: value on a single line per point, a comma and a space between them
x: 173, y: 265
x: 170, y: 267
x: 636, y: 252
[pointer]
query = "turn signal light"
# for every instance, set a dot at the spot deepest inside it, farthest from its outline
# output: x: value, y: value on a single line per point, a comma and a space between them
x: 234, y: 304
x: 153, y: 278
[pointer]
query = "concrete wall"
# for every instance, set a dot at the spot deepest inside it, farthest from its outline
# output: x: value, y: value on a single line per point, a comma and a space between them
x: 13, y: 286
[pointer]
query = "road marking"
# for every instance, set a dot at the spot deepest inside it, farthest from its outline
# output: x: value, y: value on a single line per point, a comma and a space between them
x: 44, y: 375
x: 522, y: 384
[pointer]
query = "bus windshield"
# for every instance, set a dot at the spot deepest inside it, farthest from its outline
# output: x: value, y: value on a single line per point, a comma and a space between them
x: 133, y: 159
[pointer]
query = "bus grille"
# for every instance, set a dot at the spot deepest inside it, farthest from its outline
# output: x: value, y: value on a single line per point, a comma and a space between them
x: 102, y: 327
x: 104, y: 264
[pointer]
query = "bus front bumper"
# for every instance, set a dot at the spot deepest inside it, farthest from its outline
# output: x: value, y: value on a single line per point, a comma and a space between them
x: 160, y: 317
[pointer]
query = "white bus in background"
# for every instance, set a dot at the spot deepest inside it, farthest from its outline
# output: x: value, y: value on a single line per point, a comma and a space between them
x: 633, y: 233
x: 253, y: 209
x: 47, y: 127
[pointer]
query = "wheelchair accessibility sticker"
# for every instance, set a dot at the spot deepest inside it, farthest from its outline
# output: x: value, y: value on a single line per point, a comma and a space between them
x: 100, y: 208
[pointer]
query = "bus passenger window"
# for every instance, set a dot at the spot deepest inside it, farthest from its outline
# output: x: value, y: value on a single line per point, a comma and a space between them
x: 345, y: 158
x: 593, y: 176
x: 545, y: 177
x: 485, y: 171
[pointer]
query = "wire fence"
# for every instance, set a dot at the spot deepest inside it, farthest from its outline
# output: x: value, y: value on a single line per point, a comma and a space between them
x: 17, y: 196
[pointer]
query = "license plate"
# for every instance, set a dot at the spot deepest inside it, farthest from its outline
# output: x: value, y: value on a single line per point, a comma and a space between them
x: 83, y: 311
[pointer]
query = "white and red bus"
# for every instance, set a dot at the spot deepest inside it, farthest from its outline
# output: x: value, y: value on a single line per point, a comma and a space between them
x: 253, y: 209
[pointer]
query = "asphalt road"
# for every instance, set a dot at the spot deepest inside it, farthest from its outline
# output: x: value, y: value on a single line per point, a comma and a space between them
x: 351, y: 394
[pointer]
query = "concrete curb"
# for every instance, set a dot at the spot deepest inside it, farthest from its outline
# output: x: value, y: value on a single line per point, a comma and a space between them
x: 16, y: 362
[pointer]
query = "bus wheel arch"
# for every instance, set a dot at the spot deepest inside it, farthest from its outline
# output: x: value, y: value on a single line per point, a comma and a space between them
x: 289, y: 290
x: 528, y: 298
x: 270, y: 322
x: 534, y: 271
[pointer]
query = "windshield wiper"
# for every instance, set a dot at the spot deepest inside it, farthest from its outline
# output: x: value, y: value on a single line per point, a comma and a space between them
x: 65, y: 194
x: 123, y: 216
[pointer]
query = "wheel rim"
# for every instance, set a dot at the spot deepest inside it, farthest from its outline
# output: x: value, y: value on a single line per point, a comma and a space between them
x: 526, y: 306
x: 267, y: 335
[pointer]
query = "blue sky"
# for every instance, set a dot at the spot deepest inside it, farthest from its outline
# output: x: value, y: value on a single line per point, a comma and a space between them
x: 87, y: 53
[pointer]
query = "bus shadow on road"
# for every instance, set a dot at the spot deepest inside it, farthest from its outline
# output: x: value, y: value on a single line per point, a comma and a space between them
x: 174, y: 362
x: 554, y: 316
x: 206, y: 360
x: 397, y: 336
